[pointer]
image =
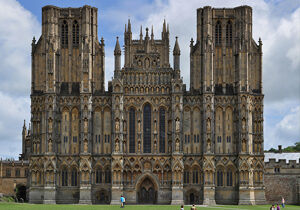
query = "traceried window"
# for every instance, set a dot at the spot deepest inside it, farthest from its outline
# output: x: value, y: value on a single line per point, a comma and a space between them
x: 186, y: 177
x: 99, y: 176
x: 147, y: 128
x: 218, y: 33
x: 162, y: 130
x: 64, y: 34
x: 219, y: 178
x: 74, y: 177
x: 107, y: 176
x: 64, y: 178
x: 195, y: 177
x: 75, y: 34
x: 229, y: 178
x: 132, y: 130
x: 229, y: 33
x: 17, y: 172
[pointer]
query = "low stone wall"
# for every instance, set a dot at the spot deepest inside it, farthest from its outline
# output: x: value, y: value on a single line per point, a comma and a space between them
x: 281, y: 185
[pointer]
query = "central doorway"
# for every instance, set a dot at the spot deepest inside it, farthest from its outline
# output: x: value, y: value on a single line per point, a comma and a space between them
x: 147, y: 193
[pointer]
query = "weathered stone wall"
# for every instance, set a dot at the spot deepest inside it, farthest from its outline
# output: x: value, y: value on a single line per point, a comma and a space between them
x: 281, y: 185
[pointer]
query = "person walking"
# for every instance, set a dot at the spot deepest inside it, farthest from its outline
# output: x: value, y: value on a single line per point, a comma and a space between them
x: 182, y: 208
x: 193, y: 207
x: 272, y: 207
x: 283, y: 202
x: 122, y: 199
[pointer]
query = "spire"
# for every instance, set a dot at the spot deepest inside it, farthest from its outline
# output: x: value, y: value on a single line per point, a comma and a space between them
x: 129, y: 26
x: 164, y: 26
x: 168, y: 28
x: 117, y: 47
x: 147, y: 35
x: 176, y: 50
x: 125, y: 28
x: 152, y: 35
x: 141, y: 33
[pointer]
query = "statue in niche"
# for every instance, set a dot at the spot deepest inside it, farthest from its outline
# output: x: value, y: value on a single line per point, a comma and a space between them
x: 208, y: 145
x: 259, y: 147
x: 139, y: 126
x: 85, y: 146
x: 244, y: 146
x: 117, y: 147
x: 124, y: 146
x: 155, y: 146
x: 139, y: 63
x: 50, y: 145
x: 139, y: 146
x: 170, y: 146
x: 177, y: 125
x: 85, y: 125
x: 208, y: 125
x: 50, y: 125
x: 147, y: 63
x: 177, y: 145
x: 155, y: 127
x: 117, y: 125
x: 244, y: 125
x: 124, y: 126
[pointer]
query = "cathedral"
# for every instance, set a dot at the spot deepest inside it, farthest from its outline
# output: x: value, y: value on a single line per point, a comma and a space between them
x: 147, y: 137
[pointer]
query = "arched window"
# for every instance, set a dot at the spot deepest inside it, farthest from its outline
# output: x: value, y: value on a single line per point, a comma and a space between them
x: 64, y: 177
x: 229, y: 178
x: 74, y: 177
x: 147, y: 128
x: 196, y: 177
x: 99, y: 176
x: 131, y: 130
x: 64, y: 34
x: 186, y: 177
x: 229, y: 33
x: 218, y: 33
x: 107, y: 176
x: 219, y: 178
x: 75, y: 34
x: 162, y: 130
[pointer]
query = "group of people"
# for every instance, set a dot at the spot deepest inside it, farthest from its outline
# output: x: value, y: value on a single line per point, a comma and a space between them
x: 278, y: 206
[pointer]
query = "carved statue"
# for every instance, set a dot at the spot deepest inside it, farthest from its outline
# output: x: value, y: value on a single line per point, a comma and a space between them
x: 244, y: 146
x: 244, y: 125
x: 50, y: 145
x: 208, y: 145
x: 139, y: 126
x: 177, y: 146
x: 50, y: 126
x: 139, y: 146
x: 155, y: 145
x: 117, y: 125
x: 85, y: 125
x: 85, y: 146
x: 124, y: 126
x: 117, y: 147
x: 155, y: 127
x: 208, y: 124
x: 177, y: 125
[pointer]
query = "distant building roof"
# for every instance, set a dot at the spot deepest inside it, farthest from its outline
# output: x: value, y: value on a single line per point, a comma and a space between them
x: 287, y: 156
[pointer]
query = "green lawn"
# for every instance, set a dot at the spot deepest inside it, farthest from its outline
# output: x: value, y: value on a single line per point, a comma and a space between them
x: 13, y: 206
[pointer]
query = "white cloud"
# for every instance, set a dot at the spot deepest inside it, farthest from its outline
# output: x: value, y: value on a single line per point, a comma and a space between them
x: 17, y: 27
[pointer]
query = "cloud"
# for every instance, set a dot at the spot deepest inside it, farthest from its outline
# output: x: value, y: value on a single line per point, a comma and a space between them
x: 17, y: 26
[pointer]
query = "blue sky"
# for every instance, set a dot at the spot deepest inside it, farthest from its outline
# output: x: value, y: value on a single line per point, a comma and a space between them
x: 276, y: 22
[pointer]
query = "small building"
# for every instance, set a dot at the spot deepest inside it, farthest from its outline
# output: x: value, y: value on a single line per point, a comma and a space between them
x: 282, y: 177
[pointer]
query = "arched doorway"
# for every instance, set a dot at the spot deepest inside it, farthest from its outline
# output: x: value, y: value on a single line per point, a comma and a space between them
x: 21, y: 193
x: 146, y: 192
x: 102, y: 197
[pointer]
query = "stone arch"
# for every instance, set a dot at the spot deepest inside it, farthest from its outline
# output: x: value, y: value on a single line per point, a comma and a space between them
x: 147, y: 187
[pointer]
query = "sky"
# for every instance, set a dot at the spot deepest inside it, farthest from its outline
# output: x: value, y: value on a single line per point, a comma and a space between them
x: 276, y: 22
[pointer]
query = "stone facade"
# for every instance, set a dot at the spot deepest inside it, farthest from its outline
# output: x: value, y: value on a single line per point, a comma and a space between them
x: 147, y: 137
x: 282, y: 177
x: 13, y: 178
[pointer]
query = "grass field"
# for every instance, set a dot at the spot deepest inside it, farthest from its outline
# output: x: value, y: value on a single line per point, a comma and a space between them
x: 13, y: 206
